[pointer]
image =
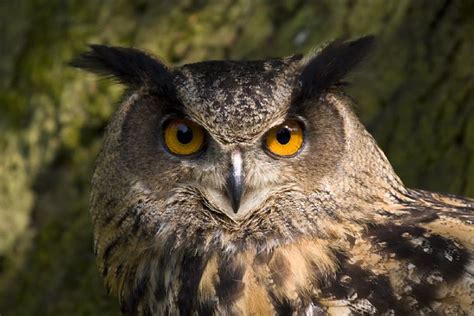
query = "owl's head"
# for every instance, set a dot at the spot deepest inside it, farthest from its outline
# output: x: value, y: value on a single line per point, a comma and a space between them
x: 233, y: 150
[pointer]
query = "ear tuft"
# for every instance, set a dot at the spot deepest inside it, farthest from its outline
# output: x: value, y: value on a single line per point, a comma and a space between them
x: 128, y: 66
x: 332, y: 63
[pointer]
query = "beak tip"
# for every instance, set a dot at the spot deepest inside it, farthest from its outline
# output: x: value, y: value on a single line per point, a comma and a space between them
x: 235, y: 206
x: 235, y: 195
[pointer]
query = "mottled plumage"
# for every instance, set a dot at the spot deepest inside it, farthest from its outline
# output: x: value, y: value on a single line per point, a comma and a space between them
x: 329, y: 230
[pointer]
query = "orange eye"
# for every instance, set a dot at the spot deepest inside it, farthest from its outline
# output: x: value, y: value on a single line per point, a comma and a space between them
x: 285, y: 140
x: 183, y: 137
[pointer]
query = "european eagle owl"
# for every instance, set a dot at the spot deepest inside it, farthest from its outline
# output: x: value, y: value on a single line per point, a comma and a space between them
x: 250, y: 187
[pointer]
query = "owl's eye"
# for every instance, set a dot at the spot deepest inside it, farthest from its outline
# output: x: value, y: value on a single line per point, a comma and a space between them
x: 183, y: 137
x: 285, y: 140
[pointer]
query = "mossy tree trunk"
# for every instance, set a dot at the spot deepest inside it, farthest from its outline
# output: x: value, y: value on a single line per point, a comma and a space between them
x: 415, y: 94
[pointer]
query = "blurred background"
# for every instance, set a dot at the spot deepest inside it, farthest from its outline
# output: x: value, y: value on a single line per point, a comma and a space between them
x: 415, y: 94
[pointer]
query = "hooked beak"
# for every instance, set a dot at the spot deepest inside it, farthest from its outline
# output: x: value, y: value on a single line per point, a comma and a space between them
x: 235, y: 180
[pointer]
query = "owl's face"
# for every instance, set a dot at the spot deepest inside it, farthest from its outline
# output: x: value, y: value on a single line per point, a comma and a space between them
x: 233, y: 135
x: 234, y: 151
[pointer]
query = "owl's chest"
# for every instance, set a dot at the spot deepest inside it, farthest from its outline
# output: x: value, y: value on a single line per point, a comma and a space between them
x: 284, y: 280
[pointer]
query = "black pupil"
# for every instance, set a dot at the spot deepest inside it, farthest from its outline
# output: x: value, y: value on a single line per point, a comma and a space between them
x: 184, y: 134
x: 283, y: 136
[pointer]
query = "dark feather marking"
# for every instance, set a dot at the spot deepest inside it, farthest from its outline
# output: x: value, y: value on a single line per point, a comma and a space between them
x: 282, y: 307
x: 263, y: 257
x: 147, y: 311
x: 352, y: 279
x: 461, y: 208
x: 122, y: 218
x: 424, y: 293
x: 161, y: 290
x: 230, y: 286
x: 396, y: 198
x: 332, y: 64
x: 111, y: 247
x: 280, y: 270
x: 191, y: 273
x: 206, y: 308
x: 192, y: 268
x: 134, y: 210
x: 420, y: 215
x: 351, y: 239
x: 129, y: 303
x: 118, y: 271
x: 285, y: 306
x: 436, y: 254
x: 105, y: 271
x: 109, y: 206
x: 129, y: 66
x: 137, y: 223
x: 412, y: 215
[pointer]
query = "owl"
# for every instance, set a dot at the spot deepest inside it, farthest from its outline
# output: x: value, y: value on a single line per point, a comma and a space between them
x: 251, y: 188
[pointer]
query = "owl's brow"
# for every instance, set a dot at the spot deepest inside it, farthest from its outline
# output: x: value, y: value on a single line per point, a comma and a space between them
x: 173, y: 107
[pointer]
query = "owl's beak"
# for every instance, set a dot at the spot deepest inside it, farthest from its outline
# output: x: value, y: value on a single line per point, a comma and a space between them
x: 235, y: 180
